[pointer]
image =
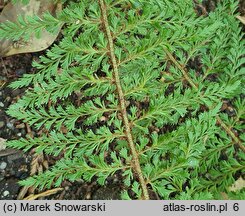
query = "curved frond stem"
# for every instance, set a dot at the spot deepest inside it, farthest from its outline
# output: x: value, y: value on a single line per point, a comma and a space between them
x: 136, y: 163
x: 238, y: 142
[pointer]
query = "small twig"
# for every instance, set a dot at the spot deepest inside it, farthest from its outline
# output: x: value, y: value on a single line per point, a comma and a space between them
x: 43, y: 194
x: 34, y: 169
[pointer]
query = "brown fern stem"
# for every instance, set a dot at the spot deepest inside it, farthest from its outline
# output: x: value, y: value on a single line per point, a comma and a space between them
x: 136, y: 163
x: 237, y: 141
x: 219, y: 121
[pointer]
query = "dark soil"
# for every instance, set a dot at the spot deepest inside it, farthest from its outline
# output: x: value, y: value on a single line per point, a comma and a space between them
x: 16, y: 165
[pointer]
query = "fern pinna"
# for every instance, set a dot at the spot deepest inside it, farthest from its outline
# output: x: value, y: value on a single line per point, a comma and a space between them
x: 121, y: 94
